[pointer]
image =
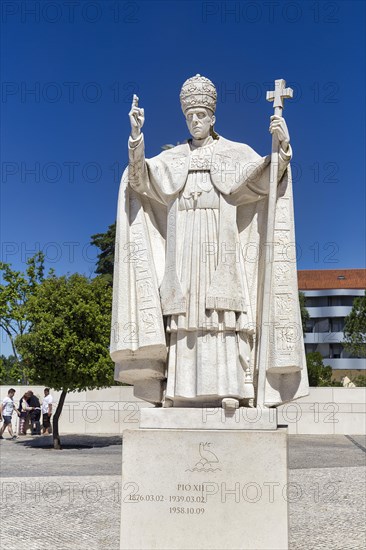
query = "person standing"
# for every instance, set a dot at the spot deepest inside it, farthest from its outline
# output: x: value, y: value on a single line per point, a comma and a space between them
x: 35, y: 413
x: 7, y: 409
x: 24, y: 410
x: 46, y: 411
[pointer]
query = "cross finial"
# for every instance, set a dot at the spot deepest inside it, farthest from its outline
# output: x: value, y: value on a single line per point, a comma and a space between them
x: 280, y: 93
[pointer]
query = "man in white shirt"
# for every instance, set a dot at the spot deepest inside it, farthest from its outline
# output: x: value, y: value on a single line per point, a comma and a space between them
x: 7, y: 409
x: 46, y: 411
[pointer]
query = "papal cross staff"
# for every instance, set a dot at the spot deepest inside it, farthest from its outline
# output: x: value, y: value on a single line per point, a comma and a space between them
x: 277, y: 96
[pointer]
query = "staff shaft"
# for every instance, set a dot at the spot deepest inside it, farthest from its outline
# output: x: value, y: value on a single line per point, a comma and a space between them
x: 277, y: 96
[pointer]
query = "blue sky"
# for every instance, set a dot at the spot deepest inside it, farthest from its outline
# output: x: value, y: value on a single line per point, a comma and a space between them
x: 83, y: 61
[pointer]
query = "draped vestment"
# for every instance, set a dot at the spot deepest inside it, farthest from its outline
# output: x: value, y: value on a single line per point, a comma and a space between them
x: 189, y: 265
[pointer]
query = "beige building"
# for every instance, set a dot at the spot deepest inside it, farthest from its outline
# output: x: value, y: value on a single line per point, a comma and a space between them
x: 329, y: 297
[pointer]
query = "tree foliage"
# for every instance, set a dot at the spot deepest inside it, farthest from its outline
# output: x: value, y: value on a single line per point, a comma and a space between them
x: 15, y: 289
x: 359, y: 381
x: 67, y: 345
x: 355, y: 328
x: 304, y: 312
x: 11, y: 370
x: 2, y: 371
x: 319, y: 374
x: 105, y: 242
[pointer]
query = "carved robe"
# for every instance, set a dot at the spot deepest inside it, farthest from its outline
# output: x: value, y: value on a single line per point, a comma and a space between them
x: 188, y: 276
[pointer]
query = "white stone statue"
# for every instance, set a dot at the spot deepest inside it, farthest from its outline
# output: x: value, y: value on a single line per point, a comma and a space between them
x: 347, y: 382
x: 192, y: 254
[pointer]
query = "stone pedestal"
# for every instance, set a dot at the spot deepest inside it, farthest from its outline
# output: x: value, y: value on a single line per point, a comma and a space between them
x: 204, y: 489
x: 209, y: 418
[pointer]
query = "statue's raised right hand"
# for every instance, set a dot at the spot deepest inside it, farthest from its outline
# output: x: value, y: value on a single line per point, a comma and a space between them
x: 137, y: 117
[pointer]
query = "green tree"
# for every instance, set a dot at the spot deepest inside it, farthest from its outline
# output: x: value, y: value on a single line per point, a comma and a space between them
x: 304, y: 312
x: 359, y: 381
x: 11, y: 370
x: 66, y: 346
x: 319, y: 374
x: 105, y: 242
x: 2, y: 371
x: 355, y: 328
x: 15, y: 290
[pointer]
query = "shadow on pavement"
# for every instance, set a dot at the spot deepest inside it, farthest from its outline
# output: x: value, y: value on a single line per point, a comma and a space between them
x: 70, y: 441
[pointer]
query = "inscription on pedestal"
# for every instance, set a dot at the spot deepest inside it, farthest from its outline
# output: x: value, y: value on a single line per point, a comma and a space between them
x: 210, y: 489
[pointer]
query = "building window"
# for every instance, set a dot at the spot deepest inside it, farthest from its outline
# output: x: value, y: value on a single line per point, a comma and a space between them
x: 329, y: 301
x: 335, y: 351
x: 337, y: 324
x: 310, y: 348
x: 316, y: 301
x: 340, y: 300
x: 322, y: 325
x: 317, y: 325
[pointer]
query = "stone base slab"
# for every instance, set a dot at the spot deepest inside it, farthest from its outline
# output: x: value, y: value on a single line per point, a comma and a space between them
x: 204, y: 490
x: 214, y: 418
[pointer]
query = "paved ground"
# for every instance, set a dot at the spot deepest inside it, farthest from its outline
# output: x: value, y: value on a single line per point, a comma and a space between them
x: 72, y: 496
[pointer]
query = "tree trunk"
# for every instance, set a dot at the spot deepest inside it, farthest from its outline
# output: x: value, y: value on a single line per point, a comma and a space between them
x: 12, y: 344
x: 55, y: 432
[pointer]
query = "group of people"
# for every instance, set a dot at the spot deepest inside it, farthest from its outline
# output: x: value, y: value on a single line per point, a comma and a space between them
x: 29, y: 412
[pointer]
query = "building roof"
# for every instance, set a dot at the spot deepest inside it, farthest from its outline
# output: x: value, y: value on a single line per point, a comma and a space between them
x: 319, y: 279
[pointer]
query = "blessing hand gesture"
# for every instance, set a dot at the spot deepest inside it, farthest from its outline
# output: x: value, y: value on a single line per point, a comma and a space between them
x: 137, y: 117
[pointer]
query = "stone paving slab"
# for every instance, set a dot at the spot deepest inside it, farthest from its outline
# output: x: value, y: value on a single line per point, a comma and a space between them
x: 93, y: 451
x: 79, y: 452
x: 60, y: 512
x: 327, y: 510
x: 72, y: 497
x: 326, y: 451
